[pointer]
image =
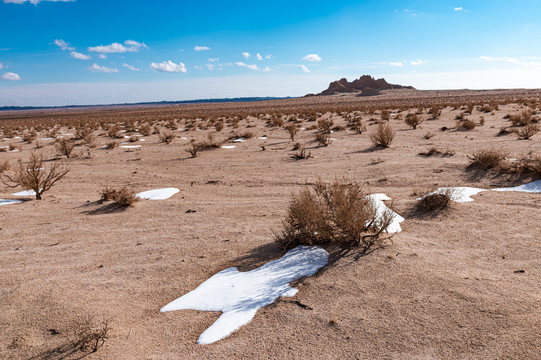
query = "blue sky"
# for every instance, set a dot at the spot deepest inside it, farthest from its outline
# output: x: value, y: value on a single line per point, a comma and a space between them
x: 100, y: 52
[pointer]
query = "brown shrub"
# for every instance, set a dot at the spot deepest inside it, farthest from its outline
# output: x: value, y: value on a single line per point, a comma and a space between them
x: 323, y: 139
x: 336, y: 213
x: 325, y: 125
x: 89, y: 335
x: 32, y: 175
x: 292, y: 130
x: 145, y: 129
x: 488, y: 159
x: 64, y: 146
x: 413, y: 120
x: 166, y: 136
x: 122, y: 197
x: 111, y: 145
x: 437, y: 201
x: 465, y: 124
x: 527, y: 131
x: 383, y: 136
x: 301, y: 153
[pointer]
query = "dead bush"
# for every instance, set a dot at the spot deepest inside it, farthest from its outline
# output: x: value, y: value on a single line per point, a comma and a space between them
x: 465, y: 125
x: 323, y: 139
x: 325, y: 125
x: 90, y: 140
x: 121, y: 197
x: 301, y: 153
x: 527, y: 131
x: 437, y: 201
x: 193, y: 148
x: 89, y: 334
x: 338, y: 213
x: 111, y: 145
x: 64, y: 146
x: 413, y: 120
x: 32, y: 175
x: 166, y: 136
x: 114, y: 131
x: 383, y: 136
x: 29, y: 136
x: 488, y: 159
x: 292, y: 129
x: 145, y: 129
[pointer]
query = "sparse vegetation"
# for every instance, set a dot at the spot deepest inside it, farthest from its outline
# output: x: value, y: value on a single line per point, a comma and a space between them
x: 527, y: 131
x: 488, y: 159
x: 64, y: 146
x: 166, y: 136
x: 413, y: 120
x: 89, y: 334
x: 121, y: 197
x: 437, y: 201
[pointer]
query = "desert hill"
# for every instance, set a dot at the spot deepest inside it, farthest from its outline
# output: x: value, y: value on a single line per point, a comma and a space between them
x: 366, y: 85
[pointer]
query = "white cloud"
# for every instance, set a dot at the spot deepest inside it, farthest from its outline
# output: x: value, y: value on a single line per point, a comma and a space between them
x: 80, y: 56
x: 169, y: 66
x: 460, y: 8
x: 510, y: 60
x: 102, y: 56
x: 213, y: 60
x: 396, y: 63
x: 251, y: 67
x: 210, y: 67
x: 246, y: 55
x: 35, y: 2
x: 312, y: 57
x: 304, y: 68
x: 97, y: 68
x: 417, y: 62
x: 258, y: 56
x: 63, y: 45
x: 128, y: 46
x: 267, y: 69
x: 1, y: 66
x: 201, y: 48
x: 10, y: 76
x: 130, y: 67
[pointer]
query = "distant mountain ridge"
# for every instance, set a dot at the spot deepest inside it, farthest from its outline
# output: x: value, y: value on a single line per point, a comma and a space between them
x: 365, y: 84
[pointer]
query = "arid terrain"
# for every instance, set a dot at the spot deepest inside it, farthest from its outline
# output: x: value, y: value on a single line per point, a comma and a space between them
x: 458, y: 284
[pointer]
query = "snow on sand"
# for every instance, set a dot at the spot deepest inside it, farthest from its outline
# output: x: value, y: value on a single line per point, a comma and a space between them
x: 157, y: 194
x: 238, y: 295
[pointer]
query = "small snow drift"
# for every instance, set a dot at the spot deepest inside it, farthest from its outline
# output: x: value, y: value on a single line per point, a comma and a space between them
x: 228, y: 146
x: 464, y: 194
x: 25, y: 193
x: 381, y: 208
x: 9, y: 201
x: 238, y: 295
x: 130, y: 146
x: 157, y: 194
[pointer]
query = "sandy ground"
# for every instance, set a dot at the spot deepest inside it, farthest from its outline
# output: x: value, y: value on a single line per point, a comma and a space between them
x: 447, y: 287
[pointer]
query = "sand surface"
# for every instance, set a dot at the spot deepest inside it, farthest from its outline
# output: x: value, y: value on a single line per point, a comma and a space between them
x: 463, y: 284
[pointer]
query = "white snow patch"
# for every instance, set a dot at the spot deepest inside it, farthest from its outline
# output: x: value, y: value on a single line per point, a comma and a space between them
x: 262, y: 138
x: 228, y: 146
x: 25, y: 193
x: 464, y: 194
x: 130, y: 146
x: 157, y: 194
x: 381, y: 209
x: 239, y: 140
x: 238, y: 295
x: 9, y: 202
x: 533, y: 187
x: 47, y: 138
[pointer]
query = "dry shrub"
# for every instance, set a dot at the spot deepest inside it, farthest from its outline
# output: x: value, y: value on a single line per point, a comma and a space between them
x: 166, y: 136
x: 337, y: 213
x: 488, y: 159
x: 465, y: 124
x: 435, y: 112
x: 435, y: 151
x: 122, y: 197
x: 323, y: 139
x: 325, y: 125
x: 413, y: 120
x: 292, y: 129
x: 527, y: 131
x: 133, y: 138
x: 64, y: 146
x: 385, y: 115
x: 29, y: 136
x: 219, y: 126
x: 90, y: 140
x: 437, y: 201
x: 301, y: 152
x: 4, y: 166
x: 111, y: 145
x: 525, y: 164
x: 145, y: 129
x: 89, y: 335
x: 114, y: 131
x: 383, y: 136
x: 32, y: 175
x: 358, y: 126
x: 193, y: 148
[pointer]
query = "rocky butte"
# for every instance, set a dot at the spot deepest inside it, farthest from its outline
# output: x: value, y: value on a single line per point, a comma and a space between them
x: 366, y: 85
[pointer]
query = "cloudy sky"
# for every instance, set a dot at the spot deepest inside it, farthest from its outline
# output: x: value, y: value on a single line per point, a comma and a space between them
x: 60, y: 52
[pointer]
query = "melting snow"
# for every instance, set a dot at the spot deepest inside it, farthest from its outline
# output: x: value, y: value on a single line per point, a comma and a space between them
x: 9, y: 202
x: 533, y: 187
x: 381, y: 209
x: 157, y: 194
x: 130, y: 146
x: 228, y: 146
x: 239, y: 140
x: 238, y: 295
x: 25, y: 193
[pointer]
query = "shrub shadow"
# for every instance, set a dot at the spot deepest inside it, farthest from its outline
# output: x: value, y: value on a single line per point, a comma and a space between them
x: 63, y: 352
x: 106, y: 209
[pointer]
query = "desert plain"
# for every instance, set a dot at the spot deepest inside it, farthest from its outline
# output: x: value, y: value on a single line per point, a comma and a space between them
x: 458, y: 284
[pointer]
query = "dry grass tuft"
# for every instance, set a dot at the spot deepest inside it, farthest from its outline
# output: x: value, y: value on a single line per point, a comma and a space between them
x: 465, y: 125
x: 413, y: 120
x: 64, y: 146
x: 437, y: 201
x: 166, y: 136
x: 488, y: 159
x: 89, y: 335
x: 122, y: 197
x: 527, y: 131
x: 323, y: 139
